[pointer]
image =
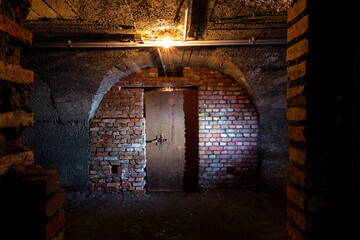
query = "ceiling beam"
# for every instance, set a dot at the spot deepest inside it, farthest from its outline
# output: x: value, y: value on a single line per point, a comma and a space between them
x: 251, y: 42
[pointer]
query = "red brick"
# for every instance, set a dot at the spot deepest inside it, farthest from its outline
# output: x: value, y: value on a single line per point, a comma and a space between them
x: 14, y: 160
x: 300, y: 198
x: 15, y: 73
x: 52, y: 181
x: 297, y: 71
x: 55, y: 224
x: 295, y: 233
x: 215, y: 148
x: 297, y: 50
x: 307, y: 178
x: 16, y: 119
x: 15, y: 31
x: 298, y: 28
x: 297, y: 155
x: 296, y: 9
x: 296, y: 114
x: 55, y: 202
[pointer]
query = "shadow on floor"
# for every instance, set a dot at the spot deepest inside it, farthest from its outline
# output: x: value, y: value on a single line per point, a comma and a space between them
x: 217, y: 214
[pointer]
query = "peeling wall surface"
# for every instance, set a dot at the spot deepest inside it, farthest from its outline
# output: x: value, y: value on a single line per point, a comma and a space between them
x: 70, y: 83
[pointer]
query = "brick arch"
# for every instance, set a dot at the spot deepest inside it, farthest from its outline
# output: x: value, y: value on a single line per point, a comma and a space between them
x: 217, y: 60
x: 228, y: 131
x: 220, y: 61
x: 113, y: 76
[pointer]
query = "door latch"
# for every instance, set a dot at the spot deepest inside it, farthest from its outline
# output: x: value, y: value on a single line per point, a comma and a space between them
x: 159, y: 139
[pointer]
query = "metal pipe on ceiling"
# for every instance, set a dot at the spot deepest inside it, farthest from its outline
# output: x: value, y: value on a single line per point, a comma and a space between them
x: 147, y: 44
x: 187, y: 13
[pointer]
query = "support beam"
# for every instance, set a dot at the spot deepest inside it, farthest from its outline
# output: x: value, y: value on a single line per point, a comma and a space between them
x: 155, y: 44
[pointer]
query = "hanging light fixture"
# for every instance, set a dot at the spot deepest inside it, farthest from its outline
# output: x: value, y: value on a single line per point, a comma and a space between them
x: 166, y: 42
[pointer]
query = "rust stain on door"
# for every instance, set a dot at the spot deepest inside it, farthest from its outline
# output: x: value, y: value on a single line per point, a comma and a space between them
x: 165, y: 144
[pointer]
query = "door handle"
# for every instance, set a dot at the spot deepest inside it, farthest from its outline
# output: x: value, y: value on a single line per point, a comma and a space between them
x: 161, y: 139
x: 158, y: 139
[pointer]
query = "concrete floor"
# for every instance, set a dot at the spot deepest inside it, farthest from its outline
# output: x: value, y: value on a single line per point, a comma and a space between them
x: 217, y: 214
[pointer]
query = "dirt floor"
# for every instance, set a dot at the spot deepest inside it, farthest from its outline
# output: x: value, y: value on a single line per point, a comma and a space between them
x: 217, y: 214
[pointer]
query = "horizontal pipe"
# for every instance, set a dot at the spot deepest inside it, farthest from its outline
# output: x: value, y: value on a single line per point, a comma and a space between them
x: 155, y: 44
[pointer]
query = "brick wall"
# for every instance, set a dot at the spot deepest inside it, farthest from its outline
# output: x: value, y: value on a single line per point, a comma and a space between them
x: 310, y: 118
x: 228, y: 131
x: 31, y: 199
x: 117, y: 135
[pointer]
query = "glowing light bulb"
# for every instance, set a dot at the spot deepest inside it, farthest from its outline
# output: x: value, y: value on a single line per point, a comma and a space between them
x: 166, y: 42
x: 168, y: 89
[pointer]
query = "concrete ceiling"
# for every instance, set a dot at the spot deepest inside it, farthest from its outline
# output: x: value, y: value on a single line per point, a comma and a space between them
x: 148, y: 17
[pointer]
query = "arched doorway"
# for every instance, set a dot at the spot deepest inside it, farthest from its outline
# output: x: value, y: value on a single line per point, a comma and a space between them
x: 226, y: 128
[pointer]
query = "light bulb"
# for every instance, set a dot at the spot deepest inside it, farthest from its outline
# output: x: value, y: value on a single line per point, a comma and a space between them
x: 166, y: 42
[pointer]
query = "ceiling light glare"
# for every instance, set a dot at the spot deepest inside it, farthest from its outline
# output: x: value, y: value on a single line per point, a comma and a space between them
x: 166, y: 42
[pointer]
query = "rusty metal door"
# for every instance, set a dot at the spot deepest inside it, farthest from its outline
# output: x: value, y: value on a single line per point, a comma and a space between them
x: 165, y: 140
